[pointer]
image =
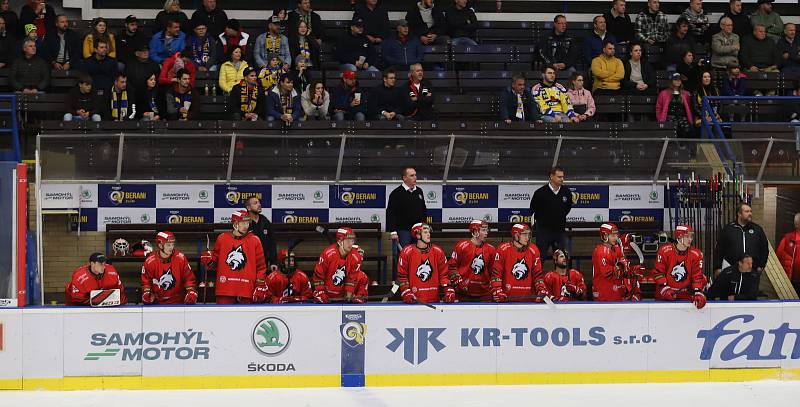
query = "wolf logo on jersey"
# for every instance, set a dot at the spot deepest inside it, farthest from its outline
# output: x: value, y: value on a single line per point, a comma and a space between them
x: 520, y: 269
x: 477, y: 264
x: 338, y: 276
x: 424, y: 271
x: 236, y: 259
x: 166, y: 281
x: 679, y: 272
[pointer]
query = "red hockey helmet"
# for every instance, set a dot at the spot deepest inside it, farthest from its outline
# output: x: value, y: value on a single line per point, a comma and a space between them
x: 519, y: 228
x: 345, y: 233
x: 559, y: 252
x: 477, y: 224
x: 418, y: 227
x: 282, y: 254
x: 608, y: 229
x: 164, y: 237
x: 239, y: 216
x: 682, y: 230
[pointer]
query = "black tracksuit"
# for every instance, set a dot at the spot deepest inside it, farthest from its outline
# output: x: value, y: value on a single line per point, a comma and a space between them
x: 735, y: 240
x: 263, y: 230
x: 405, y: 209
x: 743, y: 286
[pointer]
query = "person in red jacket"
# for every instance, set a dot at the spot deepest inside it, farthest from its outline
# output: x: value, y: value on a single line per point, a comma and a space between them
x: 288, y: 283
x: 336, y: 270
x: 422, y: 270
x: 170, y: 68
x: 517, y: 268
x: 564, y: 283
x: 471, y: 264
x: 360, y: 280
x: 613, y: 277
x: 97, y: 275
x: 679, y: 270
x: 789, y: 254
x: 167, y: 277
x: 239, y: 260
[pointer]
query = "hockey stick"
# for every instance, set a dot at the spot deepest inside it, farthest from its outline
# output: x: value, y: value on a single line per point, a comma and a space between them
x: 324, y: 232
x: 638, y: 251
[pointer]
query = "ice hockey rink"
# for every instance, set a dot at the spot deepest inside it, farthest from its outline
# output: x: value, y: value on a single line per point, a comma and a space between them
x: 768, y: 392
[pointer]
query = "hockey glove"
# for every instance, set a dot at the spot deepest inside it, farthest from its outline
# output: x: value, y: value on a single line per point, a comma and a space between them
x: 449, y: 295
x: 358, y: 300
x: 409, y: 297
x: 699, y: 299
x: 148, y: 297
x: 260, y: 294
x: 498, y: 295
x: 667, y: 293
x: 191, y: 297
x: 320, y: 297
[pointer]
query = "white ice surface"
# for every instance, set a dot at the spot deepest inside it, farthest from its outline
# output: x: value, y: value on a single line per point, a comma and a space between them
x: 748, y: 394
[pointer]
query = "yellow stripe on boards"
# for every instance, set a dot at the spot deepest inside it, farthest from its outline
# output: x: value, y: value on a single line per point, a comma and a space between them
x: 179, y: 382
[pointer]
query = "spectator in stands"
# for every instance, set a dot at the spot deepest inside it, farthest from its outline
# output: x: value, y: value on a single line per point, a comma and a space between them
x: 406, y: 207
x: 353, y: 50
x: 62, y: 50
x: 789, y: 254
x: 759, y: 53
x: 789, y: 49
x: 550, y: 205
x: 272, y: 42
x: 142, y: 67
x: 129, y: 40
x: 302, y: 44
x: 791, y: 111
x: 376, y: 20
x: 29, y: 73
x: 698, y: 21
x: 213, y: 16
x: 202, y: 49
x: 690, y: 71
x: 552, y: 99
x: 618, y: 22
x: 461, y: 23
x: 170, y: 68
x: 299, y: 73
x: 231, y: 71
x: 82, y: 102
x: 741, y: 237
x: 171, y: 12
x: 607, y: 71
x: 304, y: 13
x: 168, y: 42
x: 516, y: 102
x: 402, y: 50
x: 741, y: 21
x: 725, y: 45
x: 99, y: 32
x: 179, y: 98
x: 651, y: 25
x: 31, y: 34
x: 118, y: 103
x: 7, y: 44
x: 770, y: 20
x: 387, y: 99
x: 640, y: 77
x: 246, y: 98
x: 315, y: 101
x: 283, y: 17
x: 735, y: 82
x: 559, y: 49
x: 678, y: 43
x: 37, y: 13
x: 593, y: 44
x: 673, y: 106
x: 348, y: 100
x: 150, y: 102
x: 427, y: 22
x: 737, y: 282
x: 581, y: 99
x: 419, y: 95
x: 283, y: 102
x: 270, y: 74
x: 705, y: 88
x: 11, y: 19
x: 102, y: 68
x: 234, y: 36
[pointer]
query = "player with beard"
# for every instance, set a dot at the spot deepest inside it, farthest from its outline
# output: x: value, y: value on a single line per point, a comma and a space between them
x: 422, y: 270
x: 337, y: 268
x: 679, y: 270
x: 262, y: 228
x: 564, y: 283
x: 471, y: 264
x: 613, y: 278
x: 167, y: 277
x: 239, y: 260
x: 517, y: 269
x: 288, y: 283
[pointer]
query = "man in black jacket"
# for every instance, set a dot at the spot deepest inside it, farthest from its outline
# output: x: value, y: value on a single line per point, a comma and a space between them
x: 8, y: 44
x: 386, y: 98
x: 213, y: 16
x: 82, y: 102
x: 418, y: 95
x: 462, y: 23
x: 262, y: 228
x: 102, y: 68
x: 741, y: 237
x: 376, y: 20
x: 550, y: 206
x: 428, y: 23
x: 353, y: 50
x: 559, y: 49
x: 405, y: 208
x: 62, y: 49
x: 29, y: 73
x: 247, y: 99
x: 130, y: 40
x: 738, y: 282
x: 516, y: 102
x: 118, y: 103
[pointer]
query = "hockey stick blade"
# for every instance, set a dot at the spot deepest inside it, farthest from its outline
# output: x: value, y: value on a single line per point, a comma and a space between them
x: 638, y: 251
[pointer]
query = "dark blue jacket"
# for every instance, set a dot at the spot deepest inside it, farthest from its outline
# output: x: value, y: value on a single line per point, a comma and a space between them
x: 400, y: 55
x: 508, y: 105
x: 729, y: 88
x: 593, y: 46
x: 341, y: 97
x: 103, y: 72
x: 275, y: 109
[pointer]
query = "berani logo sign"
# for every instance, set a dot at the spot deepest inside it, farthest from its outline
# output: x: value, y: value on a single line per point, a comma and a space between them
x: 181, y: 345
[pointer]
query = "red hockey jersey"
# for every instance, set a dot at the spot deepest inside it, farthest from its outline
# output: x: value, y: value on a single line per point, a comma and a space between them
x: 682, y: 271
x: 423, y: 272
x: 608, y: 266
x: 169, y: 279
x: 334, y: 274
x: 293, y: 287
x: 518, y: 272
x: 473, y: 264
x: 361, y: 281
x: 83, y: 282
x: 240, y: 264
x: 568, y: 287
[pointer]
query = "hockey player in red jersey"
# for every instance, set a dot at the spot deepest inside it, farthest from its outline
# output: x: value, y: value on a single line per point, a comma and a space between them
x: 471, y: 264
x: 288, y: 283
x: 97, y: 275
x: 239, y: 260
x: 360, y: 279
x: 517, y: 268
x: 167, y: 277
x: 336, y: 270
x: 679, y: 270
x: 613, y: 276
x: 564, y: 283
x: 422, y: 270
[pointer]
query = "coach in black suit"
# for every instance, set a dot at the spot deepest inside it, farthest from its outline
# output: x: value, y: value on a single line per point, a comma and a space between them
x: 406, y: 207
x: 550, y: 206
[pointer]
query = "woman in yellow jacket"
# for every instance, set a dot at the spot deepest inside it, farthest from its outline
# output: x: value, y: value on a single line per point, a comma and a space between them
x: 608, y: 71
x: 99, y: 31
x: 231, y: 71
